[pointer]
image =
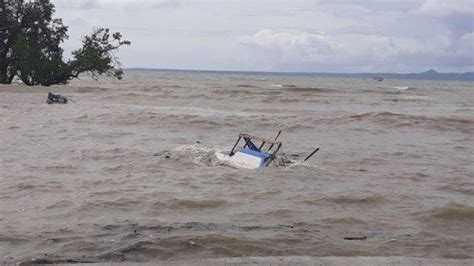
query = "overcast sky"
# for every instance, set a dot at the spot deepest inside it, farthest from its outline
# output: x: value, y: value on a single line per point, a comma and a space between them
x: 264, y: 35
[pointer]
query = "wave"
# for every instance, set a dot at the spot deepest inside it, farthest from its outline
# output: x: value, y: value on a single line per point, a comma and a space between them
x: 389, y: 90
x: 60, y: 204
x: 344, y: 199
x: 190, y: 204
x: 375, y: 114
x: 174, y: 86
x: 245, y: 86
x: 409, y: 99
x: 139, y: 243
x: 280, y: 213
x: 386, y: 114
x: 89, y: 89
x: 197, y: 154
x: 463, y: 188
x: 404, y: 88
x: 464, y: 124
x: 311, y: 90
x: 108, y: 154
x: 48, y: 259
x: 343, y: 220
x: 351, y: 199
x: 451, y: 211
x: 195, y: 148
x: 62, y: 168
x: 401, y: 88
x: 192, y: 246
x: 122, y: 204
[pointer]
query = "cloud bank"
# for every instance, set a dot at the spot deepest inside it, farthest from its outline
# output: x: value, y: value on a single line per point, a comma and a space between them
x: 317, y: 35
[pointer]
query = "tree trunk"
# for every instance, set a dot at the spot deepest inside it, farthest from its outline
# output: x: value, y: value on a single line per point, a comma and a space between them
x: 4, y: 44
x: 3, y: 78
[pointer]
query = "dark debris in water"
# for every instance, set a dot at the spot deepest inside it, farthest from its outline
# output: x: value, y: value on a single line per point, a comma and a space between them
x: 355, y: 238
x: 56, y: 98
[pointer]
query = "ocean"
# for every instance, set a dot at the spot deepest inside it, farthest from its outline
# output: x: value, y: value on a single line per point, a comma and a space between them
x: 128, y: 172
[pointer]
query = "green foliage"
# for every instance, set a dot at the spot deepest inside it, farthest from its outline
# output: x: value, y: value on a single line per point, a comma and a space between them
x: 30, y: 40
x: 96, y: 55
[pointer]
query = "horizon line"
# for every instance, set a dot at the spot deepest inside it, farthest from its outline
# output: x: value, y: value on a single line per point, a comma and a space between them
x: 293, y: 72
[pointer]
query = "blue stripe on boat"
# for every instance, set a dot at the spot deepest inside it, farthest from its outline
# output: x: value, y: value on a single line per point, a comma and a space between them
x: 262, y: 155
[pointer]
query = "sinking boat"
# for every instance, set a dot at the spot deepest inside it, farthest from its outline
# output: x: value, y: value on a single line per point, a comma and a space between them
x: 251, y: 156
x: 256, y: 152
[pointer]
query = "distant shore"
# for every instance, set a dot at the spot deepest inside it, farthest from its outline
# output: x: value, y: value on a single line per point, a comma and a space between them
x: 428, y: 75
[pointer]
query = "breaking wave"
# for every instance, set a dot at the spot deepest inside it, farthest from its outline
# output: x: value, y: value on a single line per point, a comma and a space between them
x: 452, y: 211
x: 350, y: 200
x: 190, y: 204
x: 463, y: 124
x: 311, y: 90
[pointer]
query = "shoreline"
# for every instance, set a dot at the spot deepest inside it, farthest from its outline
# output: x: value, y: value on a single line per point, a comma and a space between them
x: 303, y: 260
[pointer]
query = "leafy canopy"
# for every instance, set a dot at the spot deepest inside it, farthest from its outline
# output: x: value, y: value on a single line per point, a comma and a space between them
x: 30, y: 39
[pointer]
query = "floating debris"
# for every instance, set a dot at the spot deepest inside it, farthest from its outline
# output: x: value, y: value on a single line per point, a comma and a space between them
x: 355, y: 238
x: 56, y: 98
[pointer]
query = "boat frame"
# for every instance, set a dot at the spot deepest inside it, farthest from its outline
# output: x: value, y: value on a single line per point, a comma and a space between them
x: 250, y: 143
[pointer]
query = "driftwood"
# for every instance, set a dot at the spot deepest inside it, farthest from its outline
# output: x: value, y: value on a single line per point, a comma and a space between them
x: 56, y: 98
x: 355, y: 238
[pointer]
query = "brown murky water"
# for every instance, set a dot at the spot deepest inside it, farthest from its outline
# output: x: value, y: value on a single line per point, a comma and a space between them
x: 118, y: 176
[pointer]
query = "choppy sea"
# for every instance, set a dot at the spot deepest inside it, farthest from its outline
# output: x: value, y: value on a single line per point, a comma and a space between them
x: 128, y: 171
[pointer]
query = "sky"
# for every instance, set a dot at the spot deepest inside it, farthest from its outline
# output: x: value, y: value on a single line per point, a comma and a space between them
x: 290, y: 36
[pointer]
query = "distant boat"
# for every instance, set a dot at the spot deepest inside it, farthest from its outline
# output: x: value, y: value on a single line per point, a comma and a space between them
x: 378, y: 78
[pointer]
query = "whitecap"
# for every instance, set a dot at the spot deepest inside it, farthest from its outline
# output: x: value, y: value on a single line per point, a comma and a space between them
x: 401, y: 88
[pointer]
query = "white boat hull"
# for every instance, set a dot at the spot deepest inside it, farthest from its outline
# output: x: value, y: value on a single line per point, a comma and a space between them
x: 240, y: 160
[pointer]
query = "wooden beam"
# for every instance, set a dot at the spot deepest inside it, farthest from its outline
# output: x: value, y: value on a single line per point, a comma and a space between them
x: 253, y: 137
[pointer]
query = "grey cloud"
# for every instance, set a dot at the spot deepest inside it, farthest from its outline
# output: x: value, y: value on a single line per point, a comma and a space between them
x: 71, y: 4
x: 457, y: 15
x: 166, y: 4
x: 323, y: 35
x: 372, y: 5
x: 111, y: 4
x: 368, y: 52
x: 443, y: 8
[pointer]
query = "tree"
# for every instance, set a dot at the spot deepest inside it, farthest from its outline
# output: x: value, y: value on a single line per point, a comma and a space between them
x: 30, y: 39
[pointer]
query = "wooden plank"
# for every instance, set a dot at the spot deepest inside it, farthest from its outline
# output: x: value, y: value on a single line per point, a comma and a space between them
x: 253, y: 137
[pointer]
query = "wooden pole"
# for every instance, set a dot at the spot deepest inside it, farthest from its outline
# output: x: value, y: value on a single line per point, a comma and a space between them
x: 261, y: 146
x: 276, y: 138
x: 311, y: 155
x: 273, y: 156
x: 233, y: 148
